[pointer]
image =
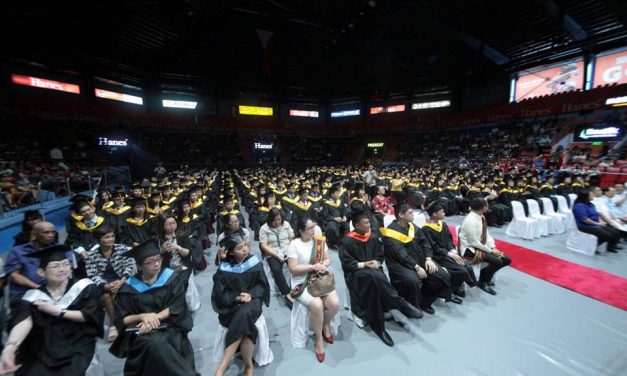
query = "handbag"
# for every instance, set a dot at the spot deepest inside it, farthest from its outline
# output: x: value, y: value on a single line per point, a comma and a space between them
x: 317, y: 284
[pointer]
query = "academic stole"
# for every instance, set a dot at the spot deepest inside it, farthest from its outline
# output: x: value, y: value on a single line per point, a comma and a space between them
x: 316, y: 257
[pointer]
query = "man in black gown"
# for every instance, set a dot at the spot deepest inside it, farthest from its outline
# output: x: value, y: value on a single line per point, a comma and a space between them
x: 334, y: 217
x: 445, y: 253
x: 371, y: 293
x: 408, y: 254
x: 153, y: 319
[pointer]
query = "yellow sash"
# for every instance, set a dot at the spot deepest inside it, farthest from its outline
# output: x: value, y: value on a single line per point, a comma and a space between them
x: 435, y: 226
x: 84, y: 227
x: 119, y: 211
x: 391, y: 233
x: 334, y: 204
x: 135, y: 222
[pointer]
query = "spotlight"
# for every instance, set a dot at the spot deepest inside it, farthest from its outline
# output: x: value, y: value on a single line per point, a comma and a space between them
x: 372, y: 3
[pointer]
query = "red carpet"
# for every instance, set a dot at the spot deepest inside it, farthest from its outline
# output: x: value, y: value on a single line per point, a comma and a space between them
x: 594, y: 283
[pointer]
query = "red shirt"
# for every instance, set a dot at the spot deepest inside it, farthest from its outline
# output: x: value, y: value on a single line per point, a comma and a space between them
x: 381, y: 204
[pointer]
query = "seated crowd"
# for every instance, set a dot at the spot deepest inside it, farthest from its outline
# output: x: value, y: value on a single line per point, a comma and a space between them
x: 132, y: 257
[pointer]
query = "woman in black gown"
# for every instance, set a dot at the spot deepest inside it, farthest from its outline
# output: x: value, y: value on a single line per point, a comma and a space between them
x: 57, y: 324
x: 240, y: 288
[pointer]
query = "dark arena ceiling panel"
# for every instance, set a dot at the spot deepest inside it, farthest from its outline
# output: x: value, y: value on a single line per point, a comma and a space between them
x: 315, y: 48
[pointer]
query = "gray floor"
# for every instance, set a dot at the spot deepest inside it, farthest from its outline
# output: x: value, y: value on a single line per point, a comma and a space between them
x: 530, y: 328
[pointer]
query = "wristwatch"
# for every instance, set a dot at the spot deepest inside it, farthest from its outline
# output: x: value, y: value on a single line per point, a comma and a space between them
x: 62, y: 312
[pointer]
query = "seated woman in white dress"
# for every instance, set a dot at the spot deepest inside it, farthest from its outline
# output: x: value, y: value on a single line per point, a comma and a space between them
x: 240, y: 288
x: 321, y: 309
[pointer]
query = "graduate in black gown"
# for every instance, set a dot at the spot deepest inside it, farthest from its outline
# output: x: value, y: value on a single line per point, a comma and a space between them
x: 80, y: 235
x: 408, y: 255
x: 153, y: 319
x: 139, y: 226
x: 240, y: 289
x: 57, y: 324
x: 333, y: 215
x: 372, y: 295
x: 445, y: 252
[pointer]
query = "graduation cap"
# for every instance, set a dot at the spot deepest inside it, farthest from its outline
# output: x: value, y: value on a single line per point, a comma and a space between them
x: 302, y: 190
x: 55, y: 252
x: 136, y: 186
x: 232, y: 240
x: 119, y: 195
x: 434, y: 207
x: 155, y: 194
x: 144, y: 250
x: 400, y: 206
x: 79, y: 204
x: 138, y: 201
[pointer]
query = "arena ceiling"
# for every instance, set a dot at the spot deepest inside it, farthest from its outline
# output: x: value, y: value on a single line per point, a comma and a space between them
x: 322, y: 49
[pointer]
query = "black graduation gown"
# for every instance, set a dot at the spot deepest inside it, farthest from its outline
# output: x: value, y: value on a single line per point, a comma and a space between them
x: 440, y: 195
x: 300, y: 210
x: 333, y: 230
x: 58, y: 346
x: 117, y: 218
x: 162, y: 352
x: 371, y: 293
x: 79, y: 235
x: 229, y: 281
x: 441, y: 240
x: 137, y: 232
x: 401, y: 256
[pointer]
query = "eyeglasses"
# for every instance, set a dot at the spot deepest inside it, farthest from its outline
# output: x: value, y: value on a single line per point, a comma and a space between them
x: 153, y: 261
x: 54, y: 267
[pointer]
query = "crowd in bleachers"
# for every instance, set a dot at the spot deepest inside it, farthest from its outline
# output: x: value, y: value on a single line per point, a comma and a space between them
x: 485, y: 145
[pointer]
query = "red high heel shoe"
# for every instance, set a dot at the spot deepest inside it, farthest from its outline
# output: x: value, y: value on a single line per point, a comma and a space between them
x: 328, y: 339
x: 320, y: 357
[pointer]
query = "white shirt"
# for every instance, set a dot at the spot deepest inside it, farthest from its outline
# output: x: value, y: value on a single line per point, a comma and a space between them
x: 277, y: 238
x: 302, y: 252
x: 470, y: 234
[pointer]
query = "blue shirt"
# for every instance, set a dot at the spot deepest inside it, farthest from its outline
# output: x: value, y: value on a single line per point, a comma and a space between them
x: 582, y: 211
x: 18, y: 259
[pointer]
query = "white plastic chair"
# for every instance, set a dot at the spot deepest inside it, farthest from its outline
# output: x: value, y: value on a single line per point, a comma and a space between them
x: 582, y: 242
x: 388, y: 219
x: 262, y: 354
x: 571, y: 199
x: 562, y: 208
x: 420, y: 219
x: 559, y: 223
x: 299, y: 325
x: 543, y: 220
x: 521, y: 226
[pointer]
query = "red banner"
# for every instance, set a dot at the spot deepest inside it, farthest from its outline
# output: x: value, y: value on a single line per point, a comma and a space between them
x: 42, y: 83
x: 611, y: 69
x: 560, y: 79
